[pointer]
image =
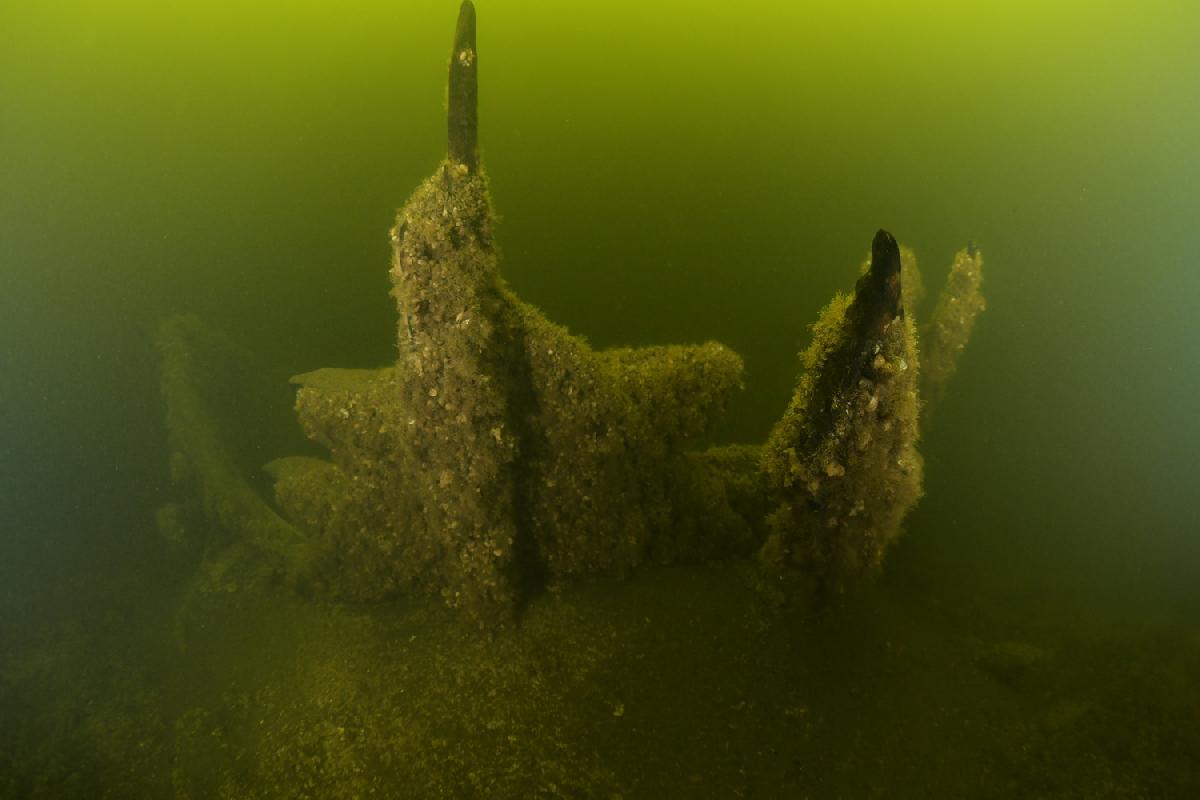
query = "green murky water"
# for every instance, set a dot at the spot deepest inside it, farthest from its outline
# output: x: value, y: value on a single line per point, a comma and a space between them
x: 666, y: 172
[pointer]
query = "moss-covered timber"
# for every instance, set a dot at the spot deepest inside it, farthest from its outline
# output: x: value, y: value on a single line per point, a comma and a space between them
x: 945, y: 336
x: 841, y: 467
x: 501, y: 450
x: 221, y: 506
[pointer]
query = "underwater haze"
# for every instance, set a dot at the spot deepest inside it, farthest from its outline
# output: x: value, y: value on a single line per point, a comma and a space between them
x: 661, y: 172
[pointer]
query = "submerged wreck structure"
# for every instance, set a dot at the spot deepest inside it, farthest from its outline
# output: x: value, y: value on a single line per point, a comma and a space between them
x: 501, y: 453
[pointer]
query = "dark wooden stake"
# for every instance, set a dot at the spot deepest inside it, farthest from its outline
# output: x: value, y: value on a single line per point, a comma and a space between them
x: 462, y: 118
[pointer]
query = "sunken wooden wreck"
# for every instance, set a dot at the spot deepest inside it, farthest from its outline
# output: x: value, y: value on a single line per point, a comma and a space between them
x: 501, y: 453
